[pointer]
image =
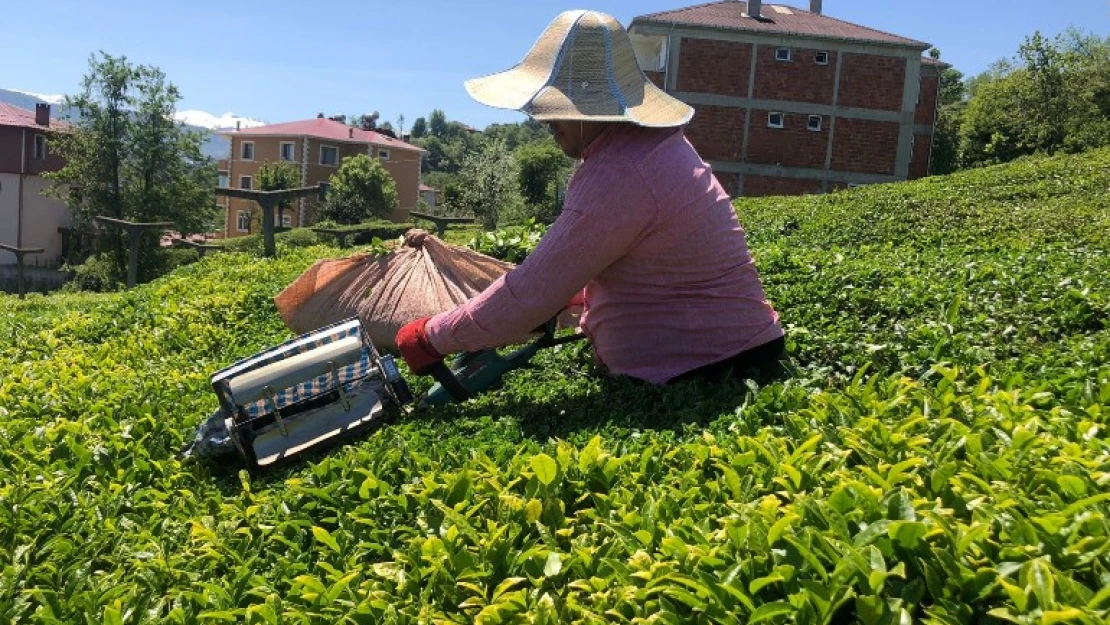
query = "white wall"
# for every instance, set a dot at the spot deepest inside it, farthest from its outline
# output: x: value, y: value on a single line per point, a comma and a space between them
x: 42, y: 216
x: 9, y: 209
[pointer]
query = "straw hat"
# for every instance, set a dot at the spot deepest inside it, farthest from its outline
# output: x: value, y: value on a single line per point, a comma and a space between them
x: 583, y: 67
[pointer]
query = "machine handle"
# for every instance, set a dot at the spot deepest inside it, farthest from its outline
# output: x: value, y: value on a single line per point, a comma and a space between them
x: 447, y: 379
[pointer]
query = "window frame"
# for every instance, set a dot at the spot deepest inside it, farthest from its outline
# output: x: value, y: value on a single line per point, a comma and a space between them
x: 239, y: 217
x: 820, y: 123
x: 382, y: 151
x: 782, y: 120
x: 292, y: 153
x: 250, y: 185
x: 286, y: 220
x: 40, y: 140
x: 243, y: 150
x: 789, y: 55
x: 329, y: 147
x: 817, y: 57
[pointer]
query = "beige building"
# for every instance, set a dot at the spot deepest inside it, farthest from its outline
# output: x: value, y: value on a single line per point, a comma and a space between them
x: 27, y: 218
x: 316, y: 147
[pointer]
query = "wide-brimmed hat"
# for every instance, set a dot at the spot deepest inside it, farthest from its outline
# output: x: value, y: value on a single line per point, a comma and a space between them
x: 582, y: 67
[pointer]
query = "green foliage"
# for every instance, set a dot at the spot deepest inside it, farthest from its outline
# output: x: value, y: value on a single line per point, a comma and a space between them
x: 942, y: 456
x: 419, y: 128
x: 361, y: 189
x: 488, y: 184
x: 1054, y: 96
x: 542, y: 169
x: 512, y: 243
x: 126, y: 158
x: 277, y: 177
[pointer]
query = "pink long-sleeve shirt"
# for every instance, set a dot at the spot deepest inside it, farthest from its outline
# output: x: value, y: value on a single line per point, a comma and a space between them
x: 648, y: 236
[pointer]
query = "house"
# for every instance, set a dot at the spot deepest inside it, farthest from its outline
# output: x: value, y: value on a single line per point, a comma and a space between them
x: 430, y: 195
x: 316, y: 147
x: 27, y: 218
x: 791, y: 101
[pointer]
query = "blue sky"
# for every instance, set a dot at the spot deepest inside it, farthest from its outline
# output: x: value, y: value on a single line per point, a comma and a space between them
x: 280, y: 60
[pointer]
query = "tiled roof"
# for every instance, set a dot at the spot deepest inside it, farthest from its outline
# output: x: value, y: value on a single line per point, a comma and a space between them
x: 424, y: 187
x: 777, y: 20
x: 928, y: 60
x: 22, y: 118
x: 323, y: 128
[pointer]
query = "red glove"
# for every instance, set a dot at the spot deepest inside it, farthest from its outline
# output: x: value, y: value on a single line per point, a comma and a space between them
x: 416, y: 348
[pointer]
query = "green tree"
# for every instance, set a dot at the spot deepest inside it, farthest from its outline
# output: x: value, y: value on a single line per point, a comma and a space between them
x: 540, y: 165
x: 276, y: 177
x: 488, y: 183
x: 437, y: 124
x: 362, y: 188
x: 951, y: 102
x: 419, y: 128
x: 126, y: 157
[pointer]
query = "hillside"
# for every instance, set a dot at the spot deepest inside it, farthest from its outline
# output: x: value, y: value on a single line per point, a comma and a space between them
x: 942, y: 457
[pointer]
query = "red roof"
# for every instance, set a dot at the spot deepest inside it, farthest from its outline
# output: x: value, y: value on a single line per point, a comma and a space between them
x: 424, y: 187
x: 323, y: 128
x: 22, y: 118
x: 928, y: 60
x: 777, y: 19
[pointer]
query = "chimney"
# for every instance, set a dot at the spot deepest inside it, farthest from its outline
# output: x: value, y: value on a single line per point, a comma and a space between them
x: 237, y: 124
x: 755, y: 9
x: 351, y: 133
x: 319, y: 116
x: 815, y: 6
x: 42, y: 114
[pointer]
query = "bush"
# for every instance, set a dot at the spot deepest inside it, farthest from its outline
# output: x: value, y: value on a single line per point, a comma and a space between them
x: 97, y: 274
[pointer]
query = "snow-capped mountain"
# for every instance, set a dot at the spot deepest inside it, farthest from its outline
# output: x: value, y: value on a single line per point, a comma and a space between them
x: 49, y: 99
x: 205, y: 119
x: 215, y: 145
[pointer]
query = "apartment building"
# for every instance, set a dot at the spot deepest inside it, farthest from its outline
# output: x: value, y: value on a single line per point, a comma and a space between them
x: 791, y: 101
x: 316, y: 147
x: 28, y: 218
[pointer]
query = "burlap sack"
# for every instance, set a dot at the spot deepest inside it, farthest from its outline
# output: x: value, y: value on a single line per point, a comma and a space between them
x: 423, y: 277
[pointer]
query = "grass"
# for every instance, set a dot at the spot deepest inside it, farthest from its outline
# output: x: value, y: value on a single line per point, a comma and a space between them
x: 941, y: 458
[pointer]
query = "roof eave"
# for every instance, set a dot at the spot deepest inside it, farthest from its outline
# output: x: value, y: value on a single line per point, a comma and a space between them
x: 279, y: 135
x: 910, y: 44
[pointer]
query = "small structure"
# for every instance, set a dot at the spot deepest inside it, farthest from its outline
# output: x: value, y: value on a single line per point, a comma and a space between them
x: 269, y: 202
x: 20, y: 252
x: 134, y: 231
x: 441, y: 221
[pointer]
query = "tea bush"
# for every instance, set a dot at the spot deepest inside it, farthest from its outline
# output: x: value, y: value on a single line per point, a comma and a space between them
x: 941, y: 458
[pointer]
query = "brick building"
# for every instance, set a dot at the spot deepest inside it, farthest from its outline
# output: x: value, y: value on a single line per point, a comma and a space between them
x: 316, y: 147
x: 790, y: 101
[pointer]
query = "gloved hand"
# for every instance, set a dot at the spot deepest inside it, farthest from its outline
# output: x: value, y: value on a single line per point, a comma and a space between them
x: 416, y: 348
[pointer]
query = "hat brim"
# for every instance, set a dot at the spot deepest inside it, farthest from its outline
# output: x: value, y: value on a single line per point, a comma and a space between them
x: 520, y: 89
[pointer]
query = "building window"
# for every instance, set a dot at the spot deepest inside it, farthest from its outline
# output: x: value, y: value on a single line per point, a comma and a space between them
x: 286, y: 220
x: 776, y: 120
x: 329, y: 155
x: 246, y: 182
x: 383, y: 154
x: 243, y: 221
x: 822, y: 57
x: 288, y: 151
x: 815, y: 123
x: 246, y: 152
x: 40, y: 147
x: 782, y: 54
x: 224, y: 181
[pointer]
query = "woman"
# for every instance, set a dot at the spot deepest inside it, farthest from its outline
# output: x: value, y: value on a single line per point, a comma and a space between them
x: 647, y: 241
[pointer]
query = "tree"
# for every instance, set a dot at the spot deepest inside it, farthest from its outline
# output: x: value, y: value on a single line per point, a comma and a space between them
x: 126, y: 157
x: 437, y: 124
x: 276, y: 177
x: 401, y: 125
x: 540, y: 164
x: 360, y: 189
x: 951, y: 102
x: 419, y: 128
x: 488, y: 183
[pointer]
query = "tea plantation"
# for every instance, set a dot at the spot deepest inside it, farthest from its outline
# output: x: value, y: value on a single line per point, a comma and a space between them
x: 942, y: 456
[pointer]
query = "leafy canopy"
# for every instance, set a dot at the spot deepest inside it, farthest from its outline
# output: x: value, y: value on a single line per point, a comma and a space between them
x: 361, y: 189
